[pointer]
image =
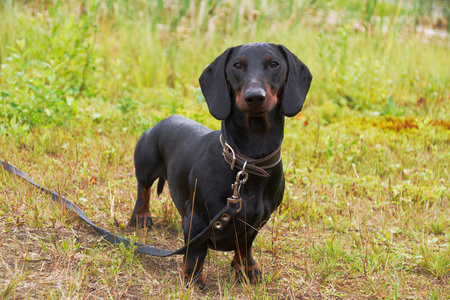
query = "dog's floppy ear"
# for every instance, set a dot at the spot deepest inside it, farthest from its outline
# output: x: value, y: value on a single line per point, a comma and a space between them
x: 297, y: 84
x: 213, y: 83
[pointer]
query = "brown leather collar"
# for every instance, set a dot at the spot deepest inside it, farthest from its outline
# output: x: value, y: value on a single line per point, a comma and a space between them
x: 254, y: 166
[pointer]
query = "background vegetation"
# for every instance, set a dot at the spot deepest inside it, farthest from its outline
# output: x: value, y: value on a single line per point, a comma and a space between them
x: 366, y: 213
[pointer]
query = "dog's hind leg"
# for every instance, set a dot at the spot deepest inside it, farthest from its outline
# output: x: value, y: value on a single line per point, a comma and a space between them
x: 149, y: 166
x: 141, y: 213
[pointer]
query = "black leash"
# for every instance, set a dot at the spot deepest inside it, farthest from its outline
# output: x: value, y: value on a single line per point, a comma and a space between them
x: 217, y: 223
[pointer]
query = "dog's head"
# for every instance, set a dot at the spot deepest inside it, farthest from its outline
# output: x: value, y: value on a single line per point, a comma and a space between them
x: 259, y: 77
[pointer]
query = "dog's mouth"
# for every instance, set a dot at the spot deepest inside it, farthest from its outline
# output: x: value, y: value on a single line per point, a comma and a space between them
x: 258, y: 114
x: 254, y: 112
x: 258, y: 122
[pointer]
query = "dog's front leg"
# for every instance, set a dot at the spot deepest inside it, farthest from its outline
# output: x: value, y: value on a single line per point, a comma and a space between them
x: 193, y: 266
x: 243, y: 261
x: 192, y: 270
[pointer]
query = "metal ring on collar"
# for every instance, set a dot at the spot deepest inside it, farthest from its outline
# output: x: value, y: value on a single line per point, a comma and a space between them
x: 233, y: 159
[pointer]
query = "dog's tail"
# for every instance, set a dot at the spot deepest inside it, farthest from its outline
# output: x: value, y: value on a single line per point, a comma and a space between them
x: 160, y: 188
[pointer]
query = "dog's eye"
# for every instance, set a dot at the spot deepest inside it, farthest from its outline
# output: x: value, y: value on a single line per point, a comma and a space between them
x: 237, y: 66
x: 273, y: 64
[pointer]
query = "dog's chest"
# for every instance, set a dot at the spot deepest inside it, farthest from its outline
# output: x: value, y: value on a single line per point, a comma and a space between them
x: 256, y: 210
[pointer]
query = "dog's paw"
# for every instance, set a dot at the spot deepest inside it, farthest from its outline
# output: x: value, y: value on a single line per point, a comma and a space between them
x: 198, y: 281
x: 252, y: 273
x: 141, y: 221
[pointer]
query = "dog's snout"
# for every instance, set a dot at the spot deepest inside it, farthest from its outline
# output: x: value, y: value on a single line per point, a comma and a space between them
x: 255, y: 96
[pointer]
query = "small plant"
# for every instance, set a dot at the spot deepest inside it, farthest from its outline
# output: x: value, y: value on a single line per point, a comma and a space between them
x: 436, y: 263
x: 14, y: 281
x: 329, y: 256
x: 438, y: 226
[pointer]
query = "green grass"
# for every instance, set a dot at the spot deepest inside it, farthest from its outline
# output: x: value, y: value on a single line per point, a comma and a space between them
x: 367, y: 162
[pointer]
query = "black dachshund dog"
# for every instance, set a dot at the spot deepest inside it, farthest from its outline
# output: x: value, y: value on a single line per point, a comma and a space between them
x: 250, y: 88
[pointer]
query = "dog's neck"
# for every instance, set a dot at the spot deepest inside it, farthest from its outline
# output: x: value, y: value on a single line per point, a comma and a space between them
x: 254, y: 137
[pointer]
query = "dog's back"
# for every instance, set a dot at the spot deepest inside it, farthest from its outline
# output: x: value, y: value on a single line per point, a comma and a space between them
x: 168, y: 151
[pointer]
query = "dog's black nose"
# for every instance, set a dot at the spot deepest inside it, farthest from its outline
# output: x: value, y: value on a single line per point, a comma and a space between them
x: 255, y: 96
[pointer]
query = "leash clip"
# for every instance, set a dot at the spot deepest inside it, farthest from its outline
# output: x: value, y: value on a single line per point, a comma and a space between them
x: 241, y: 178
x: 237, y: 201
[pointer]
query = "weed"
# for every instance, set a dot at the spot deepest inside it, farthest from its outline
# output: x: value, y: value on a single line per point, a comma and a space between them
x: 329, y: 257
x: 436, y: 263
x: 8, y: 292
x: 438, y: 226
